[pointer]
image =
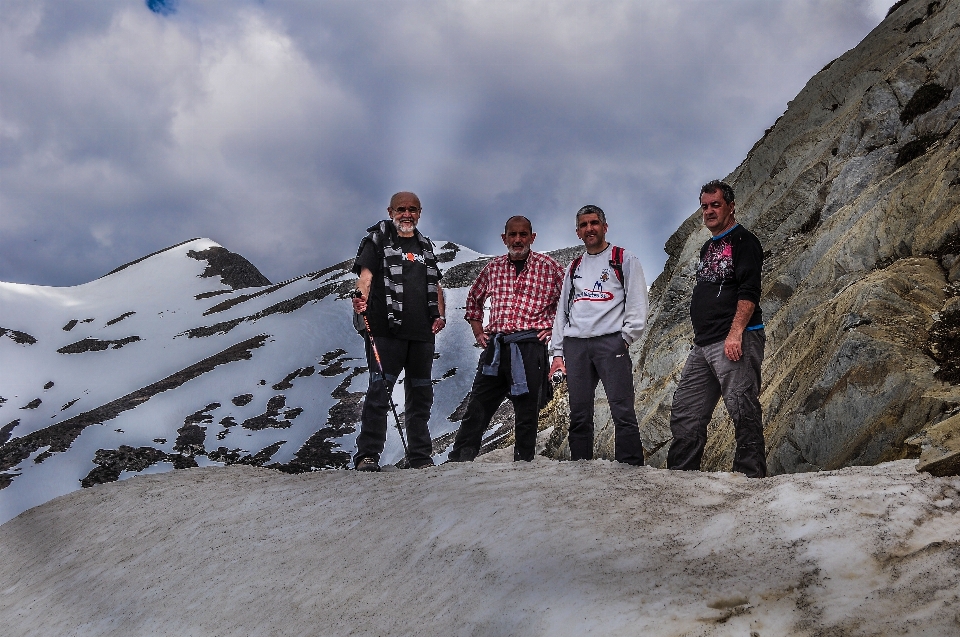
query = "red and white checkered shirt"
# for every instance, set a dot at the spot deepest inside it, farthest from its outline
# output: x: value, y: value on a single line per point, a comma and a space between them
x: 527, y: 301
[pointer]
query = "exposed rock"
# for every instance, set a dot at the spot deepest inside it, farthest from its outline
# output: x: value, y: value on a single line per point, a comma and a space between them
x: 940, y: 445
x: 242, y: 400
x: 210, y: 330
x: 944, y: 343
x: 240, y: 298
x: 96, y: 345
x: 329, y: 357
x: 7, y: 430
x: 191, y: 435
x: 335, y: 369
x: 111, y: 463
x: 18, y: 337
x: 48, y: 385
x: 269, y: 419
x: 236, y: 456
x: 70, y: 325
x: 320, y: 451
x: 33, y: 404
x: 207, y: 295
x: 856, y: 200
x: 303, y: 372
x: 285, y: 383
x: 557, y: 415
x: 120, y: 318
x: 924, y: 100
x: 464, y: 274
x: 565, y: 256
x: 232, y: 268
x: 283, y: 307
x: 449, y: 253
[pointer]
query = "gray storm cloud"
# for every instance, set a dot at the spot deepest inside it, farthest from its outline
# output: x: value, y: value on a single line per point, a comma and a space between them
x: 280, y: 129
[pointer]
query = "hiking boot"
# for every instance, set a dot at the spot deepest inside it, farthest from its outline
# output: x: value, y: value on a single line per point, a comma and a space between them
x: 464, y: 454
x: 368, y: 463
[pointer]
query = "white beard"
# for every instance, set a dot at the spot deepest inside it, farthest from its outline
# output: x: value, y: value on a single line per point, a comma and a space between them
x: 405, y: 226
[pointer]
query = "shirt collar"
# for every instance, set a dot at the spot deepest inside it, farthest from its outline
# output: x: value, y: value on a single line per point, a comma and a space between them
x: 721, y: 236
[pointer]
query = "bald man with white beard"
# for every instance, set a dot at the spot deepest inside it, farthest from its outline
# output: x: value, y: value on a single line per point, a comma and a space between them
x: 399, y: 286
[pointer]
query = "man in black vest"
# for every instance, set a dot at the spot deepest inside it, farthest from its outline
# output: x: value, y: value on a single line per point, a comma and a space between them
x: 400, y: 292
x: 728, y: 341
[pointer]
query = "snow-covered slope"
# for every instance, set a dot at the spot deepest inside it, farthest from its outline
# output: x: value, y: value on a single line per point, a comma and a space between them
x: 490, y: 549
x: 164, y: 364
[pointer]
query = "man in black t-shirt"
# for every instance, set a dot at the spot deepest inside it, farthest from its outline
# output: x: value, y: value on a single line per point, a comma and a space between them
x: 401, y: 295
x: 728, y: 342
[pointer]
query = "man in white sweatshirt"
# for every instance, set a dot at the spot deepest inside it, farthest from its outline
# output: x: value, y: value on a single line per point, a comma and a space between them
x: 603, y: 309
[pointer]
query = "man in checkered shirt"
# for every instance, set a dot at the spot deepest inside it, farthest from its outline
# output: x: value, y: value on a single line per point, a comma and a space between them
x: 523, y: 288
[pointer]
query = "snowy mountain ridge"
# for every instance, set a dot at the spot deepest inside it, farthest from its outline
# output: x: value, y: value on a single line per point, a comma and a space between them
x: 174, y: 360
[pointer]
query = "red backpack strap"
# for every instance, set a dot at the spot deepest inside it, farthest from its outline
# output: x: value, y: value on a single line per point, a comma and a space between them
x: 574, y: 265
x: 616, y: 262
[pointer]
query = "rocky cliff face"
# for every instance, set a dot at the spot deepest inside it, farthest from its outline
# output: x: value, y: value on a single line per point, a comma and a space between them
x: 855, y: 194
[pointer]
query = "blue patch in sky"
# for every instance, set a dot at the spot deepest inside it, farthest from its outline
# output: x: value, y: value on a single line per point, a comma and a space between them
x: 163, y: 7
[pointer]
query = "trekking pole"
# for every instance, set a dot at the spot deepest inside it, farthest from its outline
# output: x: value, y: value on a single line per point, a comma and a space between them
x: 376, y: 356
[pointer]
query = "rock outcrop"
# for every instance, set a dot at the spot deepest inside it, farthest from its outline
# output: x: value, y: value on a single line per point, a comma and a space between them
x: 855, y: 194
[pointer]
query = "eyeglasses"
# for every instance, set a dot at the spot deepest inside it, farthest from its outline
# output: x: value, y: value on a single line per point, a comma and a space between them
x: 404, y: 209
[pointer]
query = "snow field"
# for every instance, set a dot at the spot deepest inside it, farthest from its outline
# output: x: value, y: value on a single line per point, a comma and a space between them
x: 490, y: 549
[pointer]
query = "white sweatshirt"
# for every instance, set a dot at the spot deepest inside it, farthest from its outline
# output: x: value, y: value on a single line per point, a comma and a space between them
x: 601, y: 305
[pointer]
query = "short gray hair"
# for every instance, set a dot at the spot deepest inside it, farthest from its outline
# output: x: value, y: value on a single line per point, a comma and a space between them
x: 591, y: 210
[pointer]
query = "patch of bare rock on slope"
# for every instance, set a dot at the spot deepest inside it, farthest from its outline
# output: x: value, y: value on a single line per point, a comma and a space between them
x: 58, y: 438
x: 855, y: 195
x: 506, y: 548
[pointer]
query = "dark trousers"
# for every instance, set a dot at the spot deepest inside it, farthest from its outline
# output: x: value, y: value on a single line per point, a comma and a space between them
x: 601, y: 358
x: 487, y: 395
x: 707, y: 375
x: 397, y: 354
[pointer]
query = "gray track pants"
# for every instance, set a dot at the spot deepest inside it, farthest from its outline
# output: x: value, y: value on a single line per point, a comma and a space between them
x: 601, y: 358
x: 707, y: 375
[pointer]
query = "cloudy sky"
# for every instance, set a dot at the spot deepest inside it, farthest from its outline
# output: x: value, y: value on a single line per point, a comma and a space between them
x: 279, y: 128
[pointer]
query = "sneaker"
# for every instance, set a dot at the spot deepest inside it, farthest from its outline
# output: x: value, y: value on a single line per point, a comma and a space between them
x: 368, y: 463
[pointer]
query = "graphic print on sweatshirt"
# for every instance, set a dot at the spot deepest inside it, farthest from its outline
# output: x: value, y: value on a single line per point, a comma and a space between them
x: 413, y: 256
x: 716, y: 266
x: 597, y: 293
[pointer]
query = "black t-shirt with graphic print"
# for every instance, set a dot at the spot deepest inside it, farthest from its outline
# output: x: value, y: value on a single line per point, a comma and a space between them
x: 728, y: 271
x: 415, y: 321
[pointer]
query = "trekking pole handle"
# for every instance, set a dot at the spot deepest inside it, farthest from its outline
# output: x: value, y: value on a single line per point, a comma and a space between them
x: 357, y: 294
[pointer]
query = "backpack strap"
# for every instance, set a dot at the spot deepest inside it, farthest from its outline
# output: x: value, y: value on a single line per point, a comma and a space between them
x: 616, y: 262
x: 573, y: 268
